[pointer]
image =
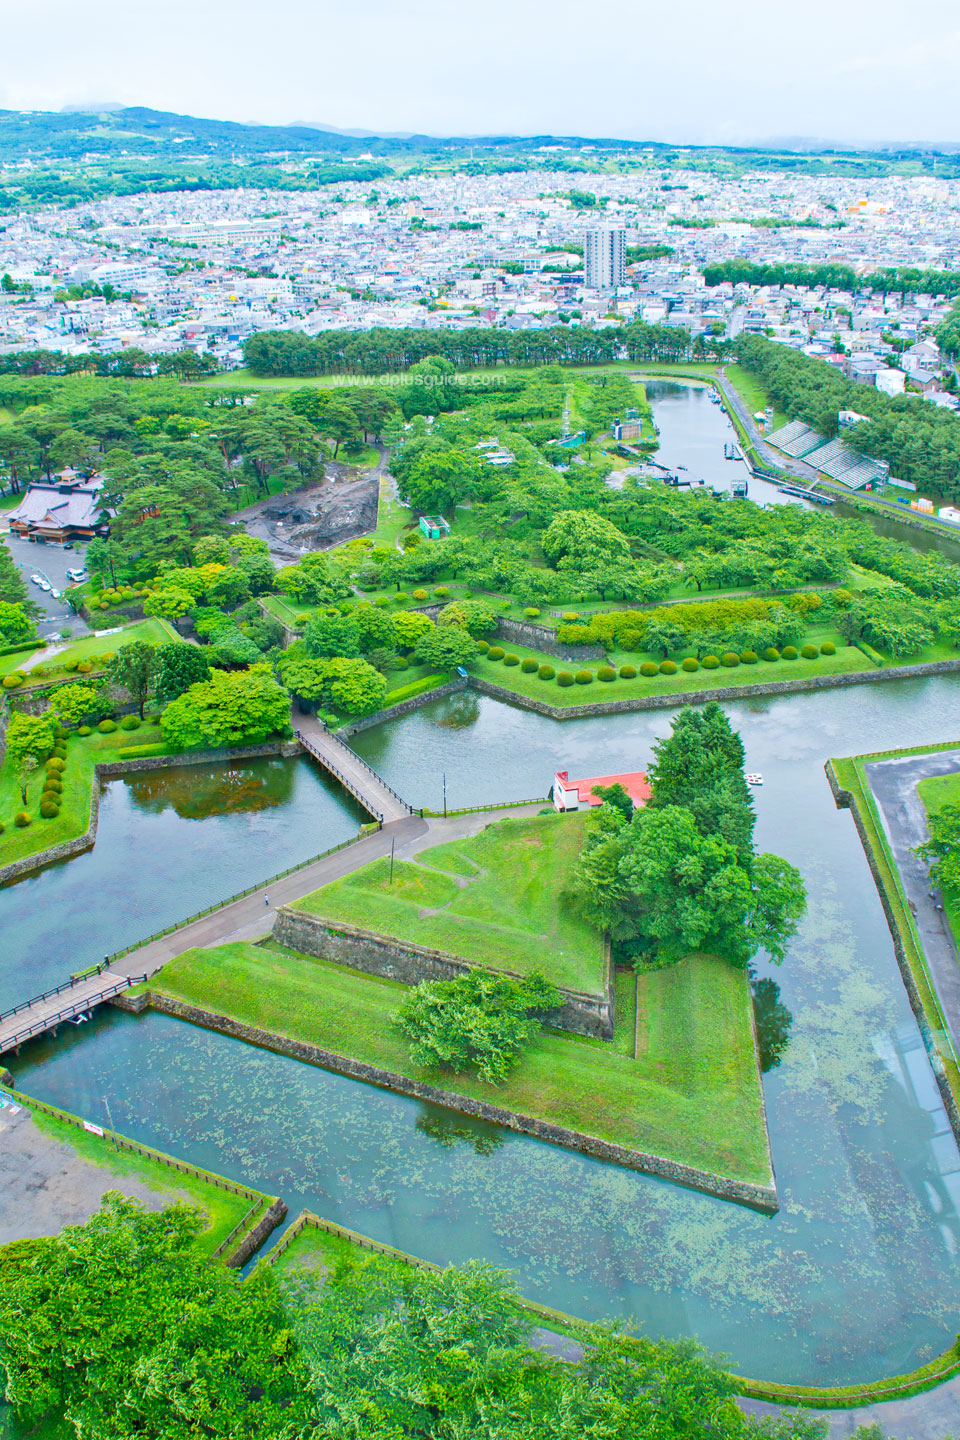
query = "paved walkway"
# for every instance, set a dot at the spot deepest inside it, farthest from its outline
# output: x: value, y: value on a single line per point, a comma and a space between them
x: 934, y: 1415
x: 894, y: 785
x: 374, y: 794
x: 805, y: 473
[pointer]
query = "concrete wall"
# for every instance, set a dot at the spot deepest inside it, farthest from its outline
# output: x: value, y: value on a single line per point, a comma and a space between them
x: 757, y: 1197
x: 374, y: 954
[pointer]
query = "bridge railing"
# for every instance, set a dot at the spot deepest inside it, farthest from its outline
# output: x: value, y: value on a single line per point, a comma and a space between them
x: 47, y: 995
x: 69, y: 1011
x: 359, y: 760
x: 347, y: 784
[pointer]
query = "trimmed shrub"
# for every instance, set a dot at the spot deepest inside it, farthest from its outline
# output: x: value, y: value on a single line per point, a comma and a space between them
x: 511, y: 659
x: 689, y: 664
x: 531, y: 612
x: 668, y: 667
x: 59, y: 751
x: 106, y: 657
x: 382, y: 601
x: 70, y: 665
x: 711, y: 662
x: 564, y: 678
x: 21, y: 819
x: 496, y: 652
x: 84, y: 667
x: 748, y: 657
x: 809, y: 652
x: 54, y: 783
x: 730, y: 659
x: 648, y: 668
x: 483, y: 646
x: 130, y: 722
x: 771, y: 653
x: 301, y: 620
x: 467, y: 595
x: 401, y: 597
x: 528, y: 664
x: 49, y: 810
x: 421, y: 594
x: 584, y: 677
x: 14, y: 680
x: 546, y: 672
x: 85, y: 730
x: 136, y: 752
x: 607, y: 673
x: 828, y: 648
x: 570, y: 616
x: 107, y: 727
x: 628, y: 672
x: 789, y: 652
x: 55, y: 766
x: 442, y: 591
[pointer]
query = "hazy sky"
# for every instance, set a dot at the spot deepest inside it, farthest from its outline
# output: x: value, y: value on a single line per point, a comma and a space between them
x: 857, y: 70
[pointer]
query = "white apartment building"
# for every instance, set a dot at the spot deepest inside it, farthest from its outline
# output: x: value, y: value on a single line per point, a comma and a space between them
x: 604, y: 258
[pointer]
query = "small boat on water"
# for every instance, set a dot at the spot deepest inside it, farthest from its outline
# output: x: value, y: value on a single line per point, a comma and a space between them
x: 754, y: 779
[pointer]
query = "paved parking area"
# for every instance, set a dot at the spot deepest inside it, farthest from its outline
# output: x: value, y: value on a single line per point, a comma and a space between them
x: 52, y: 562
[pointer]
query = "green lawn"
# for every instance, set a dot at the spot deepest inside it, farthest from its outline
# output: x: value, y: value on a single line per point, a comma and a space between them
x: 752, y: 393
x: 222, y: 1208
x: 243, y: 379
x: 936, y: 792
x: 512, y: 911
x: 152, y: 628
x: 83, y: 753
x: 693, y: 1094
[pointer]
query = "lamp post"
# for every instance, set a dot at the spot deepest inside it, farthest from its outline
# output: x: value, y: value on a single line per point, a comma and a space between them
x: 444, y: 794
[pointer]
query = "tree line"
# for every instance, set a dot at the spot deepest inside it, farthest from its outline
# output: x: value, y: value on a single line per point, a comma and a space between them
x: 904, y: 280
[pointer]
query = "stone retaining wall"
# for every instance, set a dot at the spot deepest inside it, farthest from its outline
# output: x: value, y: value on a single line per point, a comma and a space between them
x: 700, y: 697
x: 537, y: 637
x: 254, y: 1238
x: 757, y: 1197
x: 404, y: 707
x: 393, y: 959
x: 107, y: 769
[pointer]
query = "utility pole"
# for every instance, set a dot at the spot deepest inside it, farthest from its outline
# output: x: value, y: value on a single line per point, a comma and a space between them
x: 393, y: 845
x: 444, y: 794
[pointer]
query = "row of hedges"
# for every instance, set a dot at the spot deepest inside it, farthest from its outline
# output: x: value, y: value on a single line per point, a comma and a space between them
x: 649, y: 668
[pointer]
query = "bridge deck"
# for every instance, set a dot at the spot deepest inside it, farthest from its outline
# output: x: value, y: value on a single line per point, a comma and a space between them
x: 374, y: 794
x: 48, y: 1011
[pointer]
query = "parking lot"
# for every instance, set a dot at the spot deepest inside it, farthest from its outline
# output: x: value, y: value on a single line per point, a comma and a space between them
x: 51, y: 562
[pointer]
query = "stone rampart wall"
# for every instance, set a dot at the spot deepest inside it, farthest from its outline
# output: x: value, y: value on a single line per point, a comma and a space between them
x: 373, y: 954
x: 757, y: 1197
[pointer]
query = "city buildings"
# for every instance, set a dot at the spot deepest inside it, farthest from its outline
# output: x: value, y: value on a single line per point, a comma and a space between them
x: 604, y: 259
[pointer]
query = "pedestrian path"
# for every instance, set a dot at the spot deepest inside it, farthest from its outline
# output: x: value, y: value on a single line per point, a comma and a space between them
x: 374, y: 794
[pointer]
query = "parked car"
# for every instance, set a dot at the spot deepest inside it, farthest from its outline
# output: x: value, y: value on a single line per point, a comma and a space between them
x: 45, y: 585
x: 76, y: 575
x: 36, y: 580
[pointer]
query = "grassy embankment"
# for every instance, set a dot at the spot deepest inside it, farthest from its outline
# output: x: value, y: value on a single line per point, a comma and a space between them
x: 243, y: 379
x: 152, y: 629
x: 499, y: 899
x: 83, y: 754
x: 936, y: 792
x: 692, y: 1094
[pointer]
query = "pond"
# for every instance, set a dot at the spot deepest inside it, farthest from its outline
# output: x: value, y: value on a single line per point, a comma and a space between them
x: 169, y: 842
x: 857, y: 1276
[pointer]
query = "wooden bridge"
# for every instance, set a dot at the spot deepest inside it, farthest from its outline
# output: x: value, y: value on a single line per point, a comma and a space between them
x: 68, y: 1002
x: 354, y: 774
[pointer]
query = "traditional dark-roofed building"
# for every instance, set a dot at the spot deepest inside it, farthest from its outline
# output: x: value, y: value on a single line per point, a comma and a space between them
x: 68, y: 507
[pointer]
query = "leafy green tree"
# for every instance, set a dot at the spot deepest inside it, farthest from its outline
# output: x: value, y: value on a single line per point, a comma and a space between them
x: 72, y: 704
x: 169, y: 603
x: 233, y: 707
x: 332, y: 634
x: 474, y: 616
x: 375, y: 626
x: 134, y: 667
x: 211, y: 549
x: 15, y: 623
x: 353, y: 686
x: 663, y: 636
x: 583, y: 537
x: 480, y: 1019
x: 29, y: 741
x: 229, y: 588
x: 305, y: 678
x: 340, y: 422
x: 410, y: 626
x: 121, y: 1328
x: 179, y: 666
x: 942, y: 849
x: 445, y: 647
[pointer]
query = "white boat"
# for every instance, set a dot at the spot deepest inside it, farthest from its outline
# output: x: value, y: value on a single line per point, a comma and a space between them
x: 754, y: 779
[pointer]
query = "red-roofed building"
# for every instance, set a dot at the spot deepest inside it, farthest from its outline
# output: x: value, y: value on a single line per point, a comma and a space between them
x: 576, y: 794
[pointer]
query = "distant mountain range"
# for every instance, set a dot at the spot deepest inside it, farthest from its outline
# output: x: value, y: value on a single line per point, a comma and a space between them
x: 134, y: 131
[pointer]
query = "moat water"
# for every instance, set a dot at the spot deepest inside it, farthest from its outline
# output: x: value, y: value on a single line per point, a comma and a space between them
x: 859, y: 1273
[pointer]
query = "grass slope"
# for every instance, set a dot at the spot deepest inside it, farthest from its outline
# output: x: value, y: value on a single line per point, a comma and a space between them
x: 693, y: 1094
x: 500, y: 900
